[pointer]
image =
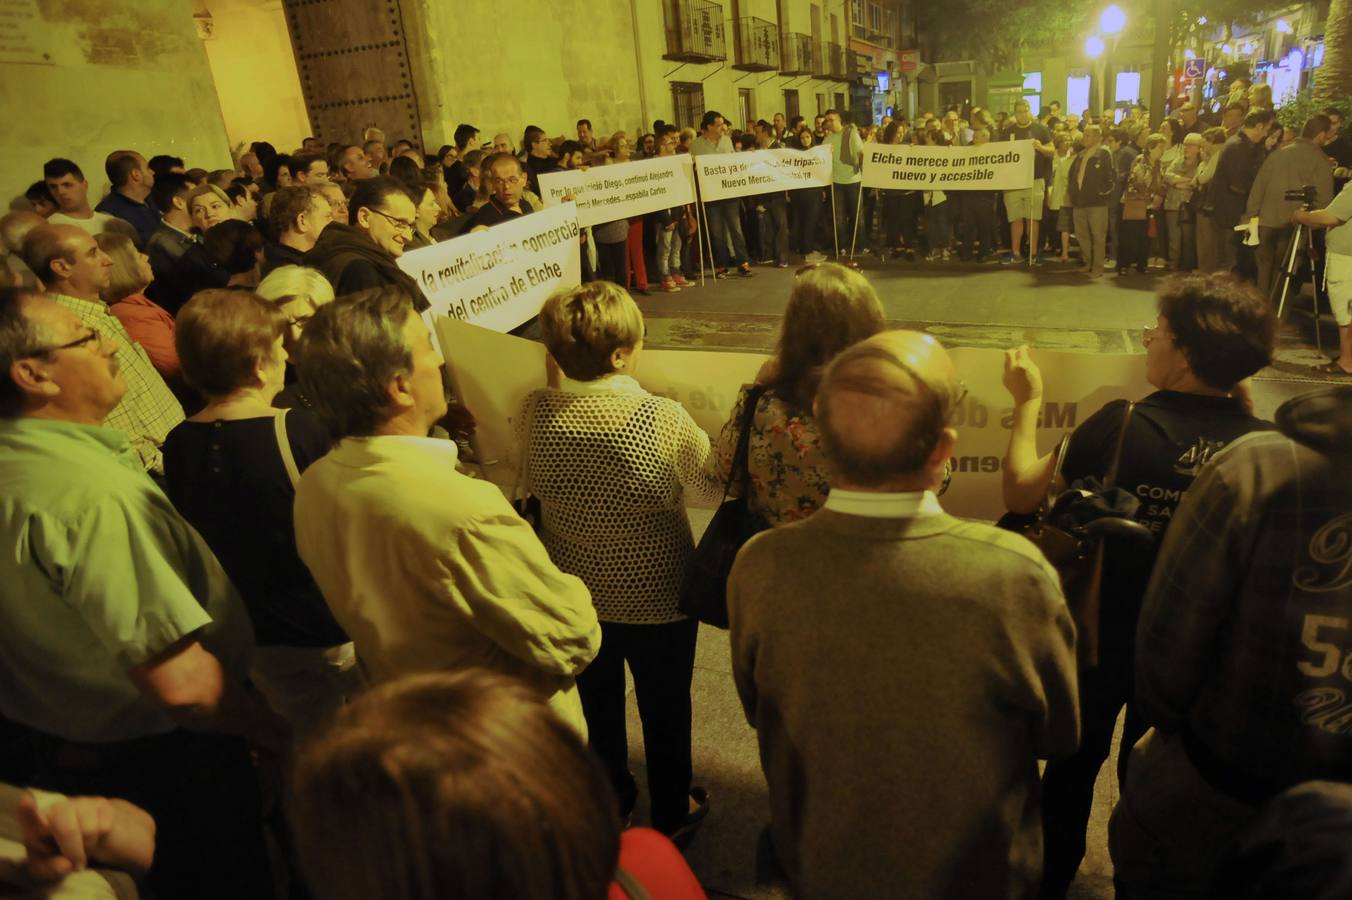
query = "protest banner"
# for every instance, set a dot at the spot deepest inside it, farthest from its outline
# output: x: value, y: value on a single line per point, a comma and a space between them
x: 723, y: 176
x: 621, y: 190
x: 499, y: 278
x: 1006, y: 166
x: 495, y: 372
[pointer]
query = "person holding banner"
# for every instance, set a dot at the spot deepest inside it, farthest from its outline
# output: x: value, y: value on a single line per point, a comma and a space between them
x: 723, y: 216
x: 847, y: 151
x: 805, y: 206
x: 1025, y: 206
x: 610, y: 464
x: 775, y: 234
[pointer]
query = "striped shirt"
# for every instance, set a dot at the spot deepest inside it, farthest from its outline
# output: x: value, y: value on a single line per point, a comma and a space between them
x: 148, y: 410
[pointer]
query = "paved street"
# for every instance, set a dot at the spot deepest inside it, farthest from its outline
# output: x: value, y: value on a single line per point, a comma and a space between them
x: 963, y: 305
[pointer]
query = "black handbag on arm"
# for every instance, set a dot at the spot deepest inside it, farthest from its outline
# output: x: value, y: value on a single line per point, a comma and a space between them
x: 704, y: 589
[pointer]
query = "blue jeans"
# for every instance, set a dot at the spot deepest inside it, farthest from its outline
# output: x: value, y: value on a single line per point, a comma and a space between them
x: 725, y: 230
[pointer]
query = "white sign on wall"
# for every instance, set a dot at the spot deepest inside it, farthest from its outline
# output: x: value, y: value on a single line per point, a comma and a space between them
x: 621, y: 190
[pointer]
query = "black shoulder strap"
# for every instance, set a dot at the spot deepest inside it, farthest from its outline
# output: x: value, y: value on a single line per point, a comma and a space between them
x: 741, y: 457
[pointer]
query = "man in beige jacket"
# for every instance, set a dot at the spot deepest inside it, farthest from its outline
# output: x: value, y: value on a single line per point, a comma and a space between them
x: 905, y: 670
x: 426, y: 568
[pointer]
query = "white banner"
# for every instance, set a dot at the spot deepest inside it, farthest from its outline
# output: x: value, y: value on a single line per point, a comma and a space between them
x: 726, y: 175
x: 499, y: 278
x: 1006, y: 166
x: 494, y: 372
x: 621, y: 190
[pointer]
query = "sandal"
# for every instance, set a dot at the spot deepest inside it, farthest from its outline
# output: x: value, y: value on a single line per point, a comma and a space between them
x: 1332, y: 368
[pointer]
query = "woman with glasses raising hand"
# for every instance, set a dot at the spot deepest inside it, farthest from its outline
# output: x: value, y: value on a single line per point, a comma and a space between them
x: 1212, y: 333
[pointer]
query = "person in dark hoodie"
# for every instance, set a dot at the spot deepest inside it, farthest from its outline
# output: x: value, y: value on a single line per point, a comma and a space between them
x: 1212, y: 333
x: 1242, y: 662
x: 364, y: 253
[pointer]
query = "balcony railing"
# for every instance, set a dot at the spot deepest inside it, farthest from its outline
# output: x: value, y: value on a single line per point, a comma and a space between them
x: 757, y: 45
x: 821, y: 60
x: 795, y: 54
x: 833, y: 62
x: 694, y: 31
x: 857, y: 64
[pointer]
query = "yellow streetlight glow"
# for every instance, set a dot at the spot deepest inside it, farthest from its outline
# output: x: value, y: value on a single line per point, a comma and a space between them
x: 1093, y: 47
x: 1283, y: 26
x: 1113, y: 20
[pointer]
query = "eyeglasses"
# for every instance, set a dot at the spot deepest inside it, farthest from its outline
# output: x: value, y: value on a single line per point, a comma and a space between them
x: 512, y: 180
x: 89, y: 338
x: 401, y: 224
x: 1149, y: 334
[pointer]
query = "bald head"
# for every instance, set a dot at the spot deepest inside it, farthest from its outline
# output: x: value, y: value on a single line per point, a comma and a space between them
x: 68, y: 260
x: 883, y: 408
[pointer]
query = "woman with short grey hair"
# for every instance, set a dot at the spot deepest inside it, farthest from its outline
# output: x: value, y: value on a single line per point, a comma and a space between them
x: 610, y: 464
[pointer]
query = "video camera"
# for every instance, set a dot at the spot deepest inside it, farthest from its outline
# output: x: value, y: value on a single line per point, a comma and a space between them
x: 1304, y: 195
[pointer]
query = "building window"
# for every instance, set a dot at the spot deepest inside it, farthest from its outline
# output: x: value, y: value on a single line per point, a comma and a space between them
x: 790, y: 104
x: 746, y: 105
x: 840, y: 103
x: 688, y: 99
x: 821, y: 105
x: 1077, y: 93
x: 857, y: 12
x: 1128, y: 87
x: 876, y: 15
x: 1032, y: 91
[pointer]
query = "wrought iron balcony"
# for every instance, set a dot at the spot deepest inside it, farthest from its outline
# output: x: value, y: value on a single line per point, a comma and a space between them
x: 795, y: 54
x: 821, y: 59
x: 757, y: 45
x: 833, y: 62
x: 694, y: 31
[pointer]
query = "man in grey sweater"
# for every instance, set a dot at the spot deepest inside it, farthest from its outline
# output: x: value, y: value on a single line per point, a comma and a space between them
x: 904, y: 669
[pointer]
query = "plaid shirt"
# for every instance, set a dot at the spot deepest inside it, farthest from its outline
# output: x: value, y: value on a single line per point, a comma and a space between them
x: 148, y: 410
x: 1245, y: 639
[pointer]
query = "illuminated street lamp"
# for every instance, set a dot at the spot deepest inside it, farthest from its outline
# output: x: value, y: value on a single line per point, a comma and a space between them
x: 1113, y: 20
x: 1093, y: 46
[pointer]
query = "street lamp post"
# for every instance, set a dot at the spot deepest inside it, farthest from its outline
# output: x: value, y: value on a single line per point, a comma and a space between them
x: 1112, y: 22
x: 1093, y: 48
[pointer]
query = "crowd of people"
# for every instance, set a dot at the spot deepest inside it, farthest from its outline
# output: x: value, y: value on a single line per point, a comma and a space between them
x: 263, y: 632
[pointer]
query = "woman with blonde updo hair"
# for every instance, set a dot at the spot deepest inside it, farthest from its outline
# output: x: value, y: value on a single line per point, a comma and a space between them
x: 831, y: 307
x: 610, y: 464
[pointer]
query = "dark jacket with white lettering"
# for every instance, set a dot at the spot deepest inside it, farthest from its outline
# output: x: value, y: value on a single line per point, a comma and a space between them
x: 1245, y: 638
x: 1099, y: 179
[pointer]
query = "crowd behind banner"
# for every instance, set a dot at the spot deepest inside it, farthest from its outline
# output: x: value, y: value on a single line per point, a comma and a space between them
x: 267, y: 628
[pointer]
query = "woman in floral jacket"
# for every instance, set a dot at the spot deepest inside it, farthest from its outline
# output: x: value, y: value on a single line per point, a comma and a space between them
x: 830, y: 308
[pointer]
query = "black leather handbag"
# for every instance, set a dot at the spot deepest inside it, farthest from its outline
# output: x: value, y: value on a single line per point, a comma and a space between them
x: 704, y: 589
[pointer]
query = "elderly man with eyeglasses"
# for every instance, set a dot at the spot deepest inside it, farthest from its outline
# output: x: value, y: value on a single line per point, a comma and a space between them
x: 124, y: 648
x: 507, y: 177
x: 74, y: 270
x: 364, y: 252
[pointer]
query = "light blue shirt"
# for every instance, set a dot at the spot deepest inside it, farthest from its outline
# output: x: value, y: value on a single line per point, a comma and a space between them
x: 98, y: 574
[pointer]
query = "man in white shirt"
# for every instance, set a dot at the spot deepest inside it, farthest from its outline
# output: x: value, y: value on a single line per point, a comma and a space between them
x: 70, y: 190
x: 847, y: 152
x: 725, y: 216
x: 426, y: 568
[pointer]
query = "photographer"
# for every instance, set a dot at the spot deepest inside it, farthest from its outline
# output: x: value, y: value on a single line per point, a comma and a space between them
x: 1299, y: 164
x: 1338, y: 272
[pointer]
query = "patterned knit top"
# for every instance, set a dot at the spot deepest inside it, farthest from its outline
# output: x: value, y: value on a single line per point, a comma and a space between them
x: 609, y: 462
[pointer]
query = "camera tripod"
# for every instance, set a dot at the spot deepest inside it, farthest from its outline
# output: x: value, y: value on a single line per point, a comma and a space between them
x: 1300, y: 244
